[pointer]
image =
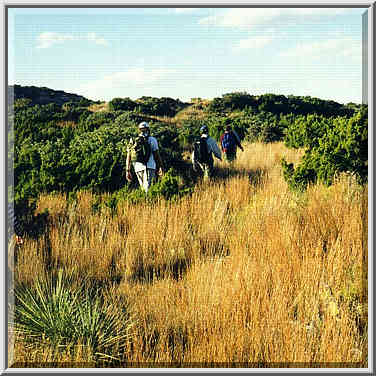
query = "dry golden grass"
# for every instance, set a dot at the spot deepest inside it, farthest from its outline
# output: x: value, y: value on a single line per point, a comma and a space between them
x: 195, y: 111
x: 98, y: 107
x: 243, y: 273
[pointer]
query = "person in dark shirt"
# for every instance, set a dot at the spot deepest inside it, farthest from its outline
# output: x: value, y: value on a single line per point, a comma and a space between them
x: 233, y: 141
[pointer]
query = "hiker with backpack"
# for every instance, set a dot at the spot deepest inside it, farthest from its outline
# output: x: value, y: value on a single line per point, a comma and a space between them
x: 203, y: 150
x: 143, y: 155
x: 230, y: 141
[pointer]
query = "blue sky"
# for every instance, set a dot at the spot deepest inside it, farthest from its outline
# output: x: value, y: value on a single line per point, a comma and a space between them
x: 188, y: 52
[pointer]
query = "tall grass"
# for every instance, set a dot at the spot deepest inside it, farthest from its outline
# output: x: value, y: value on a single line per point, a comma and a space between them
x: 242, y: 273
x: 65, y: 313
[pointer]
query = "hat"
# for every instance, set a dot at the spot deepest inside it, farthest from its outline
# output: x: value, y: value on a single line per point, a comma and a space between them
x: 144, y: 124
x: 204, y: 129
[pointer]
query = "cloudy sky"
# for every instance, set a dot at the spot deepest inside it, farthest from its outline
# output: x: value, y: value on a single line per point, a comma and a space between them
x: 188, y: 52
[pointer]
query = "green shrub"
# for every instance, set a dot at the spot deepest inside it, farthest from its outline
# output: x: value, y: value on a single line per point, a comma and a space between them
x: 159, y: 106
x: 125, y: 104
x: 129, y: 119
x: 167, y: 186
x: 60, y: 313
x: 231, y: 102
x: 97, y: 120
x: 333, y: 145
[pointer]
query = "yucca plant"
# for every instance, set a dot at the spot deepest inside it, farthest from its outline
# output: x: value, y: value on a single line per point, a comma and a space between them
x: 60, y: 313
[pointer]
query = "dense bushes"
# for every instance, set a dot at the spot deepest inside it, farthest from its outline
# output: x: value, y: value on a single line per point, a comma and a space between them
x: 278, y: 104
x: 67, y: 147
x: 231, y: 102
x: 125, y: 104
x: 148, y: 105
x: 263, y: 126
x: 127, y: 117
x: 333, y: 145
x: 97, y: 119
x: 44, y: 95
x: 76, y: 159
x: 160, y: 106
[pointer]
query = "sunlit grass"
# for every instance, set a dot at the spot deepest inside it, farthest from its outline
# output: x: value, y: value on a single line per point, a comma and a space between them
x: 62, y: 313
x: 241, y: 272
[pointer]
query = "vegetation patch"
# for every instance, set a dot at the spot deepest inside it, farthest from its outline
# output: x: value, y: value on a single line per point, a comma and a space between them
x: 59, y: 313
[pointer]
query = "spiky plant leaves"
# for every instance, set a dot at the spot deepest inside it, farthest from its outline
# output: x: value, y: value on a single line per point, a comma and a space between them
x: 54, y: 312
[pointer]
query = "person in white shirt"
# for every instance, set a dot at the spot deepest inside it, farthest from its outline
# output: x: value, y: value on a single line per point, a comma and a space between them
x: 200, y: 160
x: 145, y: 172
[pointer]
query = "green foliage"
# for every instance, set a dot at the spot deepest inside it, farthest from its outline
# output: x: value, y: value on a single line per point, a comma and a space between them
x: 50, y: 155
x: 167, y: 186
x: 190, y: 130
x: 96, y: 120
x: 97, y: 159
x: 170, y: 186
x: 58, y: 313
x: 278, y: 104
x: 22, y: 104
x: 231, y: 102
x: 44, y: 95
x: 159, y: 106
x: 332, y: 146
x: 168, y: 142
x: 125, y: 104
x: 298, y: 178
x: 76, y: 114
x: 148, y: 105
x: 128, y: 118
x: 305, y: 131
x: 263, y: 126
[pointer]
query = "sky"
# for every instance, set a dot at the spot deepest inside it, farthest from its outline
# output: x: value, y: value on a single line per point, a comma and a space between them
x: 103, y: 53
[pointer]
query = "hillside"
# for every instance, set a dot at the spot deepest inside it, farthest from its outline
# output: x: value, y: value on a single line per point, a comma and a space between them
x: 44, y: 95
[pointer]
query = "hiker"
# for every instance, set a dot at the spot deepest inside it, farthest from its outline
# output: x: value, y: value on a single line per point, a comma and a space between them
x: 143, y: 154
x: 202, y: 156
x: 230, y: 141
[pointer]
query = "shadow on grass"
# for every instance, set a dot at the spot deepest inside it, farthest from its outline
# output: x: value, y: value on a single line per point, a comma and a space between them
x: 256, y: 177
x: 150, y: 337
x: 149, y: 273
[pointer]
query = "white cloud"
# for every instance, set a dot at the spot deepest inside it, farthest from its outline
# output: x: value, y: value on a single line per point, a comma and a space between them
x: 132, y: 79
x: 252, y: 43
x: 139, y: 76
x: 48, y: 39
x: 251, y: 17
x: 332, y: 48
x: 240, y: 17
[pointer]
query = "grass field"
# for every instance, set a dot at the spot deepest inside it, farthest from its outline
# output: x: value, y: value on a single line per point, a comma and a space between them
x: 242, y: 273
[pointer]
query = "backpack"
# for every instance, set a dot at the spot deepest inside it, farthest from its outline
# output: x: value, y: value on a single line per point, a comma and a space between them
x: 201, y: 150
x: 142, y: 149
x: 228, y: 142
